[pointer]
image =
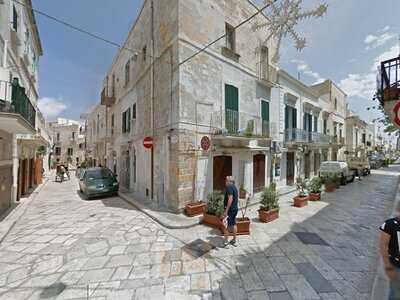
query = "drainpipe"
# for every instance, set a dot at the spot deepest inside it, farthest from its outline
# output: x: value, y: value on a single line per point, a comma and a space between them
x: 15, y: 164
x: 152, y: 100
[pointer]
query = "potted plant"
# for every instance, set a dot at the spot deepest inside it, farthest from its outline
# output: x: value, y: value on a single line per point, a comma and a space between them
x: 269, y: 208
x: 329, y: 182
x: 242, y: 192
x: 195, y: 208
x: 302, y: 198
x: 314, y: 189
x: 336, y: 180
x: 243, y: 223
x: 214, y: 210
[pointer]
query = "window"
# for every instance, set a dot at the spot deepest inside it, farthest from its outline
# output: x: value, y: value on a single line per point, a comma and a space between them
x: 15, y: 19
x: 128, y: 116
x: 134, y: 111
x: 307, y: 122
x: 325, y: 126
x: 230, y: 37
x: 315, y: 128
x: 290, y: 117
x: 73, y: 135
x: 265, y: 118
x: 58, y: 150
x: 134, y: 165
x: 231, y: 108
x: 58, y: 136
x: 127, y: 72
x: 81, y: 146
x: 126, y: 121
x: 112, y: 124
x: 144, y: 53
x: 335, y: 103
x: 263, y: 68
x: 70, y: 151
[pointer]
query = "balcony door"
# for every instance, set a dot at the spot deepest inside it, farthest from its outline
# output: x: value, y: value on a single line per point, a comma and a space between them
x: 258, y: 173
x: 266, y: 129
x: 290, y: 122
x: 231, y: 109
x: 222, y: 167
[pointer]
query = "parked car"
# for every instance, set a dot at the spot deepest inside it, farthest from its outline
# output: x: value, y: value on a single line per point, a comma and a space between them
x: 95, y: 182
x: 339, y: 168
x: 359, y: 163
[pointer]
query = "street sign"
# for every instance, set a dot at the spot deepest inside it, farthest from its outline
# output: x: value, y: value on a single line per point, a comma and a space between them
x: 396, y: 112
x: 148, y: 142
x: 205, y: 143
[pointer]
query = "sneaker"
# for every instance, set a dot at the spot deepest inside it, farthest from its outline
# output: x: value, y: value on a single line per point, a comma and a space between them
x: 233, y: 243
x: 225, y: 244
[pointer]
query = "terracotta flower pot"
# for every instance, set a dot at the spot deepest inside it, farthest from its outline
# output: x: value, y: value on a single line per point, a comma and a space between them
x: 243, y: 226
x: 314, y: 196
x: 195, y: 209
x: 212, y: 221
x: 242, y: 194
x: 300, y: 201
x: 268, y: 216
x: 330, y: 187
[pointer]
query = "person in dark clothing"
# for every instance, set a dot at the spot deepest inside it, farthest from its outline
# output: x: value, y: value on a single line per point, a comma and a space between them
x: 389, y: 250
x: 231, y: 210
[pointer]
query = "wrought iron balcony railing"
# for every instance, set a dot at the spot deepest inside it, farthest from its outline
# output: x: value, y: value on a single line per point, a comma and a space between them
x: 19, y: 104
x: 234, y: 123
x: 295, y: 135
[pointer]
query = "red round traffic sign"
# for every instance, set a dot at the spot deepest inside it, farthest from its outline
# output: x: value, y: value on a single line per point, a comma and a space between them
x: 148, y: 142
x: 396, y: 111
x: 205, y: 143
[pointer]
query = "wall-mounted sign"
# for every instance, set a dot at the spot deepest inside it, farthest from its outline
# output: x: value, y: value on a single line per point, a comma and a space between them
x: 148, y: 142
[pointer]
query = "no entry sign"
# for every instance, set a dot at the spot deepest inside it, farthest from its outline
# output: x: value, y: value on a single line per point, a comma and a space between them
x: 148, y: 142
x: 396, y: 111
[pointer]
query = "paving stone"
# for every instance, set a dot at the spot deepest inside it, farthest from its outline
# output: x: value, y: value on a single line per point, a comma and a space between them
x: 176, y: 268
x: 194, y: 266
x: 280, y: 296
x: 119, y: 260
x: 140, y: 272
x: 160, y: 270
x: 251, y: 280
x: 121, y: 273
x: 316, y: 280
x: 331, y: 296
x: 177, y: 283
x: 96, y: 276
x: 282, y: 265
x: 200, y: 282
x: 71, y: 278
x: 299, y: 288
x: 258, y: 295
x: 117, y: 250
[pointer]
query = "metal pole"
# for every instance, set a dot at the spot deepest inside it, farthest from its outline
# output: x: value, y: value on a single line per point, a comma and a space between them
x: 152, y: 100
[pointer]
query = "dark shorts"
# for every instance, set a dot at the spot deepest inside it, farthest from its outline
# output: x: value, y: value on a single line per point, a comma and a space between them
x: 232, y: 218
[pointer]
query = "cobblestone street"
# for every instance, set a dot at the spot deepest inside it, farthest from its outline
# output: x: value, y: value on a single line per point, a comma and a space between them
x: 64, y: 247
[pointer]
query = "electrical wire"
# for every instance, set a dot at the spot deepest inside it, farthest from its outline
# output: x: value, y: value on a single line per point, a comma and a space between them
x: 76, y: 28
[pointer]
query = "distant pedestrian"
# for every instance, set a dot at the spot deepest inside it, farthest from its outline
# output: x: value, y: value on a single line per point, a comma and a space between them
x: 389, y: 250
x: 359, y: 172
x: 231, y: 210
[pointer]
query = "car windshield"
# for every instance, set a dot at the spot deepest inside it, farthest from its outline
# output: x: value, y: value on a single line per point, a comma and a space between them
x: 99, y: 174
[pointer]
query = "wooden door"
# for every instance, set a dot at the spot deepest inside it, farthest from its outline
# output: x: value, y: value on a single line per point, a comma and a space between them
x: 222, y: 167
x: 290, y: 168
x: 258, y: 172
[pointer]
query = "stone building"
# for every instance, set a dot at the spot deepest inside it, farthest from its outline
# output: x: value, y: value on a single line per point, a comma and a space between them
x: 223, y: 110
x: 68, y: 142
x: 356, y: 135
x: 24, y: 141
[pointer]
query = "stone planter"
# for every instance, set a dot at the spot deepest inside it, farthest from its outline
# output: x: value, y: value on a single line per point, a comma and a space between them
x: 300, y: 201
x: 212, y: 221
x: 330, y: 187
x: 314, y: 196
x: 268, y: 216
x: 195, y: 209
x: 243, y: 226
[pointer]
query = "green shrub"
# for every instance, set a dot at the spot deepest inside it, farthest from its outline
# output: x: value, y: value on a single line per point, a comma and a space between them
x: 314, y: 186
x: 215, y: 204
x: 269, y: 198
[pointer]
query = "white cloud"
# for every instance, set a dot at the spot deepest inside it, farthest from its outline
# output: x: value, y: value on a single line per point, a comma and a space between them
x: 386, y: 28
x: 364, y: 84
x: 51, y: 107
x: 360, y: 85
x: 306, y: 69
x: 375, y: 41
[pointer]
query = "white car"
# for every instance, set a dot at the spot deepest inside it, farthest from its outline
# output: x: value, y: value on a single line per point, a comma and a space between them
x: 340, y: 168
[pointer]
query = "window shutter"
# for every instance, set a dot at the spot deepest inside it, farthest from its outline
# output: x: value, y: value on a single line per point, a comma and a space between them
x: 231, y: 98
x: 265, y: 111
x: 294, y: 120
x: 286, y: 117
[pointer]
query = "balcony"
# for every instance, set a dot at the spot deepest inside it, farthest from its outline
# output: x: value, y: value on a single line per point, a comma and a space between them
x: 266, y: 74
x: 18, y: 115
x: 389, y: 80
x: 237, y: 124
x: 236, y: 129
x: 300, y: 136
x: 337, y: 140
x: 107, y: 98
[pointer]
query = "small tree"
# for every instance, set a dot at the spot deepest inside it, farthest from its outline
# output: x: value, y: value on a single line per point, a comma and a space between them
x: 315, y: 185
x: 269, y: 198
x: 215, y: 204
x: 301, y: 186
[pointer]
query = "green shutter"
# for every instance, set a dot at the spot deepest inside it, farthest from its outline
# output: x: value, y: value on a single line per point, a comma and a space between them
x: 286, y: 117
x: 265, y: 111
x: 294, y: 116
x: 231, y: 98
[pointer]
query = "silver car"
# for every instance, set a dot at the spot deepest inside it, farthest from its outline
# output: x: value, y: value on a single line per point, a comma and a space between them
x: 340, y: 168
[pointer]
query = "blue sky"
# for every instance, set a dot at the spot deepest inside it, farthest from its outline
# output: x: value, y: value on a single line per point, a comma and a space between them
x: 342, y: 46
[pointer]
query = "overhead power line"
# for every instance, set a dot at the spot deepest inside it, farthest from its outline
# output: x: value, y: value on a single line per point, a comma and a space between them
x: 259, y: 11
x: 76, y: 28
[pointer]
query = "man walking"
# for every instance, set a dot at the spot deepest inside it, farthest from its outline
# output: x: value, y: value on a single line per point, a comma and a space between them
x: 389, y: 250
x: 231, y: 210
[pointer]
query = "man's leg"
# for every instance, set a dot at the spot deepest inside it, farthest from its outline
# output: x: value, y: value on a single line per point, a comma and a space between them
x: 234, y: 232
